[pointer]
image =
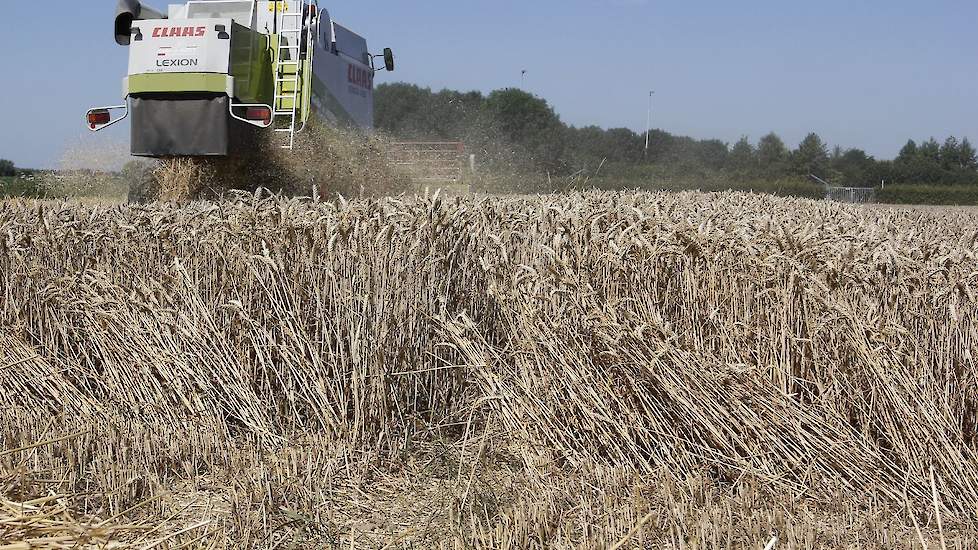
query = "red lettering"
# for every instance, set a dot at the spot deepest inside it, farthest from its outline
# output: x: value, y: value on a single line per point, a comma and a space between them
x: 360, y: 77
x: 175, y: 32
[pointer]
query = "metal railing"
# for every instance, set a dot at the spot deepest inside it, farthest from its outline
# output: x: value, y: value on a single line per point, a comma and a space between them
x: 851, y: 195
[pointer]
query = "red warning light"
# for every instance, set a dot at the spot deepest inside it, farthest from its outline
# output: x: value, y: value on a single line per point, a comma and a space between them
x: 263, y: 114
x: 98, y: 118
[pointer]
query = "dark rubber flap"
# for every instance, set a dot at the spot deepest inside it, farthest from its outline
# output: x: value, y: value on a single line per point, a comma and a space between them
x: 180, y: 126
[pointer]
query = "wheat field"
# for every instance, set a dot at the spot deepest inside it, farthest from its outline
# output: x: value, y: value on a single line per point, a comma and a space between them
x: 589, y: 370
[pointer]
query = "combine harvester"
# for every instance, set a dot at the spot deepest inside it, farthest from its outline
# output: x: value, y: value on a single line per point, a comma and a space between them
x: 209, y: 75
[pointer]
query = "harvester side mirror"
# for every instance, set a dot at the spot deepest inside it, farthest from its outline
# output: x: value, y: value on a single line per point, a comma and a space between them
x: 222, y: 32
x: 101, y: 117
x: 138, y: 34
x: 389, y: 59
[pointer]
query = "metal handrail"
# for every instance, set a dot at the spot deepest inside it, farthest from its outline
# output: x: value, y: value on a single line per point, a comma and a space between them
x: 311, y: 55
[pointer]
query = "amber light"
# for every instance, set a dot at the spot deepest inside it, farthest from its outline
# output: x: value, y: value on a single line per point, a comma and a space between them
x: 98, y: 118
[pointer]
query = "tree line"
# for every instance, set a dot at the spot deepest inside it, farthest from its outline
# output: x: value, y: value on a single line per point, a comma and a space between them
x: 7, y: 168
x: 512, y: 128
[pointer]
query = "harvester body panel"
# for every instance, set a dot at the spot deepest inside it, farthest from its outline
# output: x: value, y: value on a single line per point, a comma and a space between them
x: 175, y: 46
x: 343, y: 90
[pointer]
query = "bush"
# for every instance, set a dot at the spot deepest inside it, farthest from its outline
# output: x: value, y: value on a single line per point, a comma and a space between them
x: 7, y: 168
x: 82, y: 183
x: 16, y: 187
x: 957, y: 195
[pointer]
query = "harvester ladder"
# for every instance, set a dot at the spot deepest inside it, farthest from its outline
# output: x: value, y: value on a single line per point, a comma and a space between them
x: 288, y: 77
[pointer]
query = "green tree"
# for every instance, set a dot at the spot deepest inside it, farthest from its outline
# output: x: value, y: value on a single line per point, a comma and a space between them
x: 531, y: 124
x: 855, y: 168
x: 624, y: 145
x: 514, y: 131
x: 743, y: 158
x: 7, y: 168
x: 410, y: 112
x: 837, y: 153
x: 811, y: 157
x: 909, y: 152
x: 586, y: 147
x: 950, y: 154
x: 712, y: 153
x: 772, y: 155
x: 661, y: 144
x: 926, y: 166
x: 968, y: 155
x: 399, y: 106
x: 930, y: 150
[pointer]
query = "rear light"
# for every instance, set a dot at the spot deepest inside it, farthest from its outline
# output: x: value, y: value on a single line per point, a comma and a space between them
x: 98, y: 118
x: 263, y: 114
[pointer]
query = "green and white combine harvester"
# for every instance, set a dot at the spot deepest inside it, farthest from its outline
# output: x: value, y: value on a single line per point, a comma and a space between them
x: 208, y: 75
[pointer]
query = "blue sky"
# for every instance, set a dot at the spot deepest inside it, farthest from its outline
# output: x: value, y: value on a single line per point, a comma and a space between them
x: 867, y: 74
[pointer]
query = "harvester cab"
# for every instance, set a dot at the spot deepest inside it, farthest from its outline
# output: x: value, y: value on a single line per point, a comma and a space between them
x: 206, y: 75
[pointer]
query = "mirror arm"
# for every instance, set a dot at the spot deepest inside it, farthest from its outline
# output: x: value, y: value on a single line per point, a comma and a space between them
x: 373, y: 66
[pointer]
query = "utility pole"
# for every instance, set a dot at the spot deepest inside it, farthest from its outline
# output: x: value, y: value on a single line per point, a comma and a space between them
x: 523, y: 80
x: 648, y: 131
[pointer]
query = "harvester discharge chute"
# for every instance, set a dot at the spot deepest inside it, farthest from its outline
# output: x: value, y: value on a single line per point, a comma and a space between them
x: 208, y: 74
